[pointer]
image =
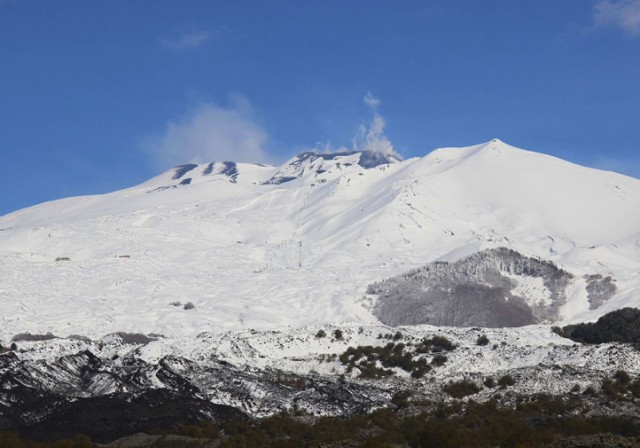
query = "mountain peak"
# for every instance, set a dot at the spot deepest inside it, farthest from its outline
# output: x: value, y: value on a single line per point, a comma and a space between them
x: 367, y: 159
x: 324, y: 164
x: 495, y: 144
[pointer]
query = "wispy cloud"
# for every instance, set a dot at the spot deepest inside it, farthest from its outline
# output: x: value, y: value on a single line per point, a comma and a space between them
x: 188, y: 41
x: 209, y: 133
x: 368, y: 137
x: 621, y: 14
x: 372, y: 137
x: 371, y: 101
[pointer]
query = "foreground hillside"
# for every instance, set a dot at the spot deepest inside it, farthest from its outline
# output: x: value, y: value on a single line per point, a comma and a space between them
x: 373, y: 377
x: 535, y: 424
x: 226, y: 246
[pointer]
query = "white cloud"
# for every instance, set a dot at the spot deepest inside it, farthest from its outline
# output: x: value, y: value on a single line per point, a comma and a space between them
x: 371, y: 101
x: 373, y: 138
x: 187, y: 41
x: 212, y: 133
x: 367, y: 138
x: 623, y: 14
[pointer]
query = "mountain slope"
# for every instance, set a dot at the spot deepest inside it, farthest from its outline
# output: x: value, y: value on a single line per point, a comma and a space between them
x: 260, y: 247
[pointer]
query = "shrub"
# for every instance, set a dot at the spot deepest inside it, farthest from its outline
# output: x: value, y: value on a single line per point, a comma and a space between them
x: 482, y: 340
x: 321, y: 334
x: 338, y: 334
x: 506, y: 381
x: 439, y: 360
x: 371, y: 371
x: 622, y: 377
x: 611, y: 389
x: 188, y: 306
x: 435, y: 344
x: 489, y: 383
x: 590, y: 391
x: 397, y: 336
x: 401, y: 398
x: 442, y: 344
x: 461, y: 389
x: 420, y: 371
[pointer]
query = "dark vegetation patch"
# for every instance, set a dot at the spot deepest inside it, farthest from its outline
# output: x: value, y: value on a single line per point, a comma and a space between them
x: 622, y: 325
x: 482, y: 340
x: 461, y: 389
x: 532, y: 423
x: 117, y: 415
x: 135, y: 338
x: 620, y: 387
x: 29, y: 337
x: 379, y: 362
x: 435, y: 344
x: 599, y: 289
x: 439, y: 360
x: 489, y: 383
x: 506, y: 381
x: 13, y: 440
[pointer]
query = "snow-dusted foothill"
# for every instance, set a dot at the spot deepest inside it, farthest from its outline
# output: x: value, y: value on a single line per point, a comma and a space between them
x: 262, y: 373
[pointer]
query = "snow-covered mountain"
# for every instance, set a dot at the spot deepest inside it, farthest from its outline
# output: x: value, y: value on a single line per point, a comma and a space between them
x: 253, y: 246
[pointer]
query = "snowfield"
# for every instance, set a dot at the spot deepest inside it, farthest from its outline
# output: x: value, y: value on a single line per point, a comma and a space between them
x: 260, y: 247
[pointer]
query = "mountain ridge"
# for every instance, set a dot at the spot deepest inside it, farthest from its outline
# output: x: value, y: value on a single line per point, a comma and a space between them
x: 249, y: 253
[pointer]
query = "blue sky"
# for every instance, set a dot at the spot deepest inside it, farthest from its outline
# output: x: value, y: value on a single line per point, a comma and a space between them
x: 101, y: 95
